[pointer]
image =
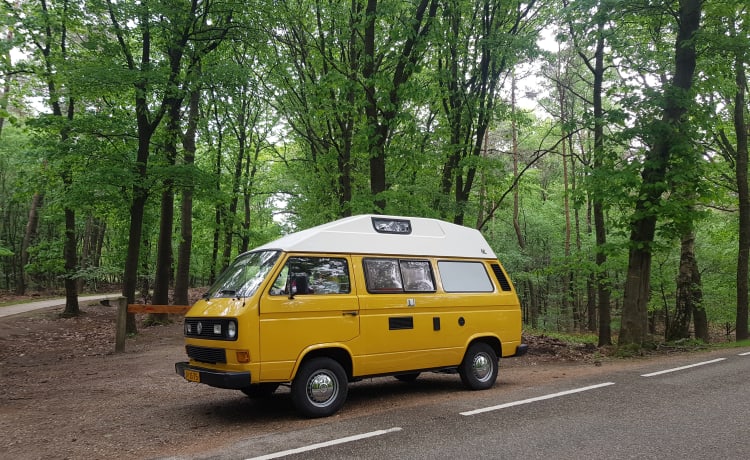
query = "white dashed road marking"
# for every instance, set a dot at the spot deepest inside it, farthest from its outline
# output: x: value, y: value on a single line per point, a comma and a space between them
x: 321, y: 445
x: 683, y: 367
x: 538, y: 398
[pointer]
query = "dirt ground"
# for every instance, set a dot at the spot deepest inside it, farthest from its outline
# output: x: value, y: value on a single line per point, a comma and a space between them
x: 65, y: 394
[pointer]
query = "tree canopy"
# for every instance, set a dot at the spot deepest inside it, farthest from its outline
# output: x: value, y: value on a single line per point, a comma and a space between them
x: 601, y: 146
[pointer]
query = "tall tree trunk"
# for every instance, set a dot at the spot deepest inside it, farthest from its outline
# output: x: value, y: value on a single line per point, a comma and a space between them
x: 146, y: 125
x: 533, y: 303
x: 164, y: 253
x: 643, y: 224
x: 600, y: 230
x: 379, y: 131
x: 565, y: 304
x: 182, y: 278
x: 381, y: 111
x: 219, y: 211
x: 741, y: 171
x: 600, y: 277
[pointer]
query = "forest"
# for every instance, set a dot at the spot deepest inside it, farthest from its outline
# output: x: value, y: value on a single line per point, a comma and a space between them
x: 601, y: 146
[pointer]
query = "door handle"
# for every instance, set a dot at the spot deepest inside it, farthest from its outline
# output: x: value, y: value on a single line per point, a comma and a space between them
x: 350, y: 313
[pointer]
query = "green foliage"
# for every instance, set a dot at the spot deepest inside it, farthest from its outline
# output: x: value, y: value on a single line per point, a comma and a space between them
x: 284, y: 141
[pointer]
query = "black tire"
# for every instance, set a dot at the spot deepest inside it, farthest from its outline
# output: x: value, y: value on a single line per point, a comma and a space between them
x: 408, y: 378
x: 260, y: 390
x: 478, y: 370
x: 320, y: 388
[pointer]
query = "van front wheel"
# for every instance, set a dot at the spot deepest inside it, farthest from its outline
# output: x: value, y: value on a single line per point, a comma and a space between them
x: 320, y: 387
x: 478, y: 370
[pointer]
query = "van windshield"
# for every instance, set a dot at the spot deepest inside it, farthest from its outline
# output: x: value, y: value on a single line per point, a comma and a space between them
x: 243, y: 277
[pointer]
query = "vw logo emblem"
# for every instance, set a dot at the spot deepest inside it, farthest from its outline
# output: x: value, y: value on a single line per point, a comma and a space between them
x: 200, y: 328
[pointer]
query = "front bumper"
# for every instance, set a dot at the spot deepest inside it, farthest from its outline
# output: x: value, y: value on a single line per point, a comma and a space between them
x: 210, y: 377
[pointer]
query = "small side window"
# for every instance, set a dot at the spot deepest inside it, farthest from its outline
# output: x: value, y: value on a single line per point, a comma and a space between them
x: 417, y: 276
x: 398, y: 275
x: 383, y: 275
x: 312, y: 275
x: 464, y: 277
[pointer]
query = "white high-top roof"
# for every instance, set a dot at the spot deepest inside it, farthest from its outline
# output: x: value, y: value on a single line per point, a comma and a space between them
x: 357, y: 235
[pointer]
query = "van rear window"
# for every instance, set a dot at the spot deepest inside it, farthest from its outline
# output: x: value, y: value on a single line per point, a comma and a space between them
x: 398, y: 275
x: 464, y: 277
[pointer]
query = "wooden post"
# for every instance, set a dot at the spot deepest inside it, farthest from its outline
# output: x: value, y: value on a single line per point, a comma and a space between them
x: 122, y: 317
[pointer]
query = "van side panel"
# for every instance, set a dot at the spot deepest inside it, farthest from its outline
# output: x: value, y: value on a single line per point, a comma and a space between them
x: 412, y: 331
x: 398, y: 337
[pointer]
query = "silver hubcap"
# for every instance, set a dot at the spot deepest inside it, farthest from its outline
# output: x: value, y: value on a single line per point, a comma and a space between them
x: 481, y: 366
x: 321, y: 388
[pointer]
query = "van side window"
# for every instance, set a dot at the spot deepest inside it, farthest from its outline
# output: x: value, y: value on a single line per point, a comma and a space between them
x: 313, y: 275
x: 398, y: 275
x: 417, y: 276
x: 464, y: 277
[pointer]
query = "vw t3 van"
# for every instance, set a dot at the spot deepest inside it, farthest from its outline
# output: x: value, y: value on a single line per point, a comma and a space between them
x: 359, y: 297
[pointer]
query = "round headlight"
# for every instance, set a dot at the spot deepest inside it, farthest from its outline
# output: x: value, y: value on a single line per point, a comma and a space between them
x: 232, y: 330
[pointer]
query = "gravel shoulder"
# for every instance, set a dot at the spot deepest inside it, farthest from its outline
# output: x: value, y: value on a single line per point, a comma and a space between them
x: 65, y: 394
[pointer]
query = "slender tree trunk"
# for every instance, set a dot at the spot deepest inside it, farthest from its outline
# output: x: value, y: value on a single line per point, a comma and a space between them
x: 379, y: 130
x: 182, y: 279
x: 742, y: 130
x: 164, y: 253
x: 643, y: 225
x: 145, y: 128
x: 380, y: 115
x: 565, y: 310
x: 219, y: 211
x: 600, y: 230
x: 533, y: 302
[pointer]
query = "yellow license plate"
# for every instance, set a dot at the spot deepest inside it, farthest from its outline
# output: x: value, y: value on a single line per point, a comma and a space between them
x: 192, y: 376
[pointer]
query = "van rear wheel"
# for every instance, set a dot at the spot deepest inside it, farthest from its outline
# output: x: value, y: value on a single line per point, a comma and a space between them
x: 478, y: 370
x: 320, y: 388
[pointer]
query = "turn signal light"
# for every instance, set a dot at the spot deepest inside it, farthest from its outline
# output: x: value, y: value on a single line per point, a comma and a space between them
x: 243, y: 356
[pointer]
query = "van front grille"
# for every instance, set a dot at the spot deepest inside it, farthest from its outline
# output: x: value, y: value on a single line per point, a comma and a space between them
x: 206, y: 355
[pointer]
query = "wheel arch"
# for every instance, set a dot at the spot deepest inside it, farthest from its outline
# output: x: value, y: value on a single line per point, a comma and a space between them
x: 338, y: 353
x: 490, y: 340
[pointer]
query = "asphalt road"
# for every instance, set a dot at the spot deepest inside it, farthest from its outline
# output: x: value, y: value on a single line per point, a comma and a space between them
x: 695, y: 409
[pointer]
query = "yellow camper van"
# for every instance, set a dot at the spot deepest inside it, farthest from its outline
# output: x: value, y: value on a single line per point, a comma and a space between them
x: 358, y: 297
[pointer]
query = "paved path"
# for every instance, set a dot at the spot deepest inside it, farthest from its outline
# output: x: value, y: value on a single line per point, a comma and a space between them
x: 10, y: 310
